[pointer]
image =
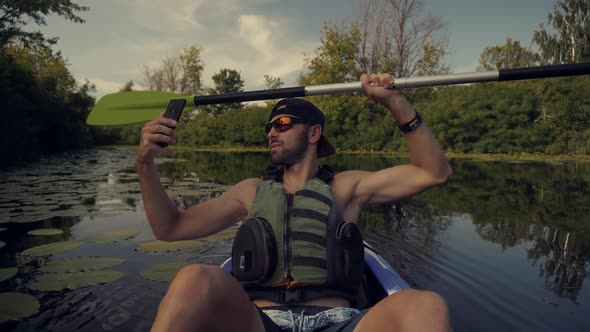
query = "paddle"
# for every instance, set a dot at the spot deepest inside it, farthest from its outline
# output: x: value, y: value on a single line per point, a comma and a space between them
x: 138, y: 106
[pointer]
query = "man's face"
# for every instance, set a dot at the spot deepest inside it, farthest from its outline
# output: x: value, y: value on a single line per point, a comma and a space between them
x: 288, y: 147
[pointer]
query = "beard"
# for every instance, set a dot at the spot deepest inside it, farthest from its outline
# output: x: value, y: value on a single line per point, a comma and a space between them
x: 292, y: 155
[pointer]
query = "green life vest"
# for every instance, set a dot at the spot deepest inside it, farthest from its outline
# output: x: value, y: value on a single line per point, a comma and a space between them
x: 314, y: 246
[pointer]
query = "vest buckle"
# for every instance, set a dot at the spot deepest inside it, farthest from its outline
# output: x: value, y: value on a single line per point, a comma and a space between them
x: 290, y: 295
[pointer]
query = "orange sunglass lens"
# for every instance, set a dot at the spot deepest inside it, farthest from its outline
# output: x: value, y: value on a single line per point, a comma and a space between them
x: 282, y: 124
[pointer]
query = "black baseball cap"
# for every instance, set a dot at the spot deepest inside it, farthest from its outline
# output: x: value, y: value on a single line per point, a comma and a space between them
x: 308, y: 112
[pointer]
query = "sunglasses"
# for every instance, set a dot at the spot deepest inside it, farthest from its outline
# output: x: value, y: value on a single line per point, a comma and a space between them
x: 282, y: 124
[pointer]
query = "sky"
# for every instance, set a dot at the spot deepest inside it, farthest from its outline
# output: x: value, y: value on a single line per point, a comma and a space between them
x: 257, y: 37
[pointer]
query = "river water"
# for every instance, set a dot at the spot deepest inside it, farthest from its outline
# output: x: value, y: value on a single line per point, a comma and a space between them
x: 507, y: 244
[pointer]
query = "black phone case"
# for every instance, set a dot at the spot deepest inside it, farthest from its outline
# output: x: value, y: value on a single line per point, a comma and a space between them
x: 173, y: 111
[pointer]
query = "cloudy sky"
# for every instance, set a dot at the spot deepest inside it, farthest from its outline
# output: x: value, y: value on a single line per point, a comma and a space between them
x: 257, y: 37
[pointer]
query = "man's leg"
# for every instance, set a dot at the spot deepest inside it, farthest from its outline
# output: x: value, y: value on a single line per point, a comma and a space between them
x: 407, y: 310
x: 206, y: 298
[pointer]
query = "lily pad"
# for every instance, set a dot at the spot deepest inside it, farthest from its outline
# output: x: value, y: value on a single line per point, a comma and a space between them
x: 163, y: 272
x: 9, y: 205
x: 162, y: 246
x: 81, y: 264
x: 110, y: 201
x: 8, y: 273
x: 45, y: 231
x: 14, y: 306
x: 27, y: 218
x: 74, y: 211
x: 114, y: 236
x: 75, y: 280
x: 52, y: 248
x: 2, y: 244
x: 3, y: 229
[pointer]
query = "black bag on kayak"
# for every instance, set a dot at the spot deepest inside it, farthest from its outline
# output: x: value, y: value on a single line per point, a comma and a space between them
x: 254, y: 252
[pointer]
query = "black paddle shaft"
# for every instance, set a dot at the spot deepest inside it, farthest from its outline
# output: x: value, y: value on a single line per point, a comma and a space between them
x: 298, y: 91
x: 544, y: 71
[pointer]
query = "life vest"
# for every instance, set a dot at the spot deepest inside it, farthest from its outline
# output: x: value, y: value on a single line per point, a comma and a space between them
x: 295, y: 247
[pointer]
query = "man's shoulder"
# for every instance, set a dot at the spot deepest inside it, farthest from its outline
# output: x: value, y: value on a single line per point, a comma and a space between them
x: 344, y: 183
x: 349, y: 177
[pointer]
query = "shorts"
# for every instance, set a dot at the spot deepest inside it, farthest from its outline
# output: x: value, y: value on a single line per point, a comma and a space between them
x: 305, y: 318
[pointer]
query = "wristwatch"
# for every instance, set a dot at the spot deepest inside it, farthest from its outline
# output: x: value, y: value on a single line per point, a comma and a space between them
x: 411, y: 125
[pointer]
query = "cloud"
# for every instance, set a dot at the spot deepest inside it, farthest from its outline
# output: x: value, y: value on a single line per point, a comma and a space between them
x: 256, y: 30
x: 120, y: 37
x: 179, y: 15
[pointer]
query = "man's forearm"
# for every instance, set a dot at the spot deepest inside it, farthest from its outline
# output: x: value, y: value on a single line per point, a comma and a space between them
x: 160, y: 211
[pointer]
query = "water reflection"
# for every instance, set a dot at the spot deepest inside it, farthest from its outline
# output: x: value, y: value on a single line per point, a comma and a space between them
x: 545, y: 207
x: 470, y: 235
x: 564, y: 260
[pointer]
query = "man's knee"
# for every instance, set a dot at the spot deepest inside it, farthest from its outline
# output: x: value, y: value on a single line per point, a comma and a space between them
x: 199, y: 274
x: 421, y: 300
x: 197, y: 282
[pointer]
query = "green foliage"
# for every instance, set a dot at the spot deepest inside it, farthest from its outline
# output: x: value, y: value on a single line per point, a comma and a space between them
x: 43, y: 107
x: 431, y: 62
x: 243, y: 127
x: 509, y: 55
x: 571, y: 41
x: 15, y: 14
x: 336, y: 59
x: 180, y: 73
x: 192, y: 69
x: 226, y: 81
x: 271, y: 82
x: 535, y: 116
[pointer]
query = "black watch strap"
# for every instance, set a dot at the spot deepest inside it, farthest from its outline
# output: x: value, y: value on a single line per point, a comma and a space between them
x: 411, y: 125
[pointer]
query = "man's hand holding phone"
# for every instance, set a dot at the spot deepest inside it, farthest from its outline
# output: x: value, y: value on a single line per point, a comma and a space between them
x: 157, y: 134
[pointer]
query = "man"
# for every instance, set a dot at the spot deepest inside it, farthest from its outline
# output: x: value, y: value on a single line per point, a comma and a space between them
x: 206, y: 298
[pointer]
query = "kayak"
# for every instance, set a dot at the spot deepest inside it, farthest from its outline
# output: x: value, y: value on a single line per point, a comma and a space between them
x: 380, y: 279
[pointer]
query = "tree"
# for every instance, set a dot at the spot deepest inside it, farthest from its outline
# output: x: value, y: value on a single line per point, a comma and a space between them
x: 271, y: 82
x: 49, y: 68
x: 42, y: 104
x: 127, y: 87
x: 509, y: 55
x: 571, y: 41
x: 180, y: 74
x: 15, y: 14
x: 335, y: 61
x: 431, y: 62
x: 226, y: 81
x: 393, y: 33
x: 192, y: 70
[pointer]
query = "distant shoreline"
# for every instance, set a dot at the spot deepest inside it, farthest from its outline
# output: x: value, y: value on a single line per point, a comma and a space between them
x: 522, y: 156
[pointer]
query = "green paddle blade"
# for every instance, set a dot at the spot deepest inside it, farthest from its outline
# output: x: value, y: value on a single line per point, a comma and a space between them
x: 132, y: 107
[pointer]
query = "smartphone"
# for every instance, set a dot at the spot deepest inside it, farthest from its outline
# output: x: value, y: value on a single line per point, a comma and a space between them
x: 173, y: 111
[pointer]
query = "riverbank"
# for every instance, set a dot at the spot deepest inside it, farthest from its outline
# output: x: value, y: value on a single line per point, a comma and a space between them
x: 450, y: 155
